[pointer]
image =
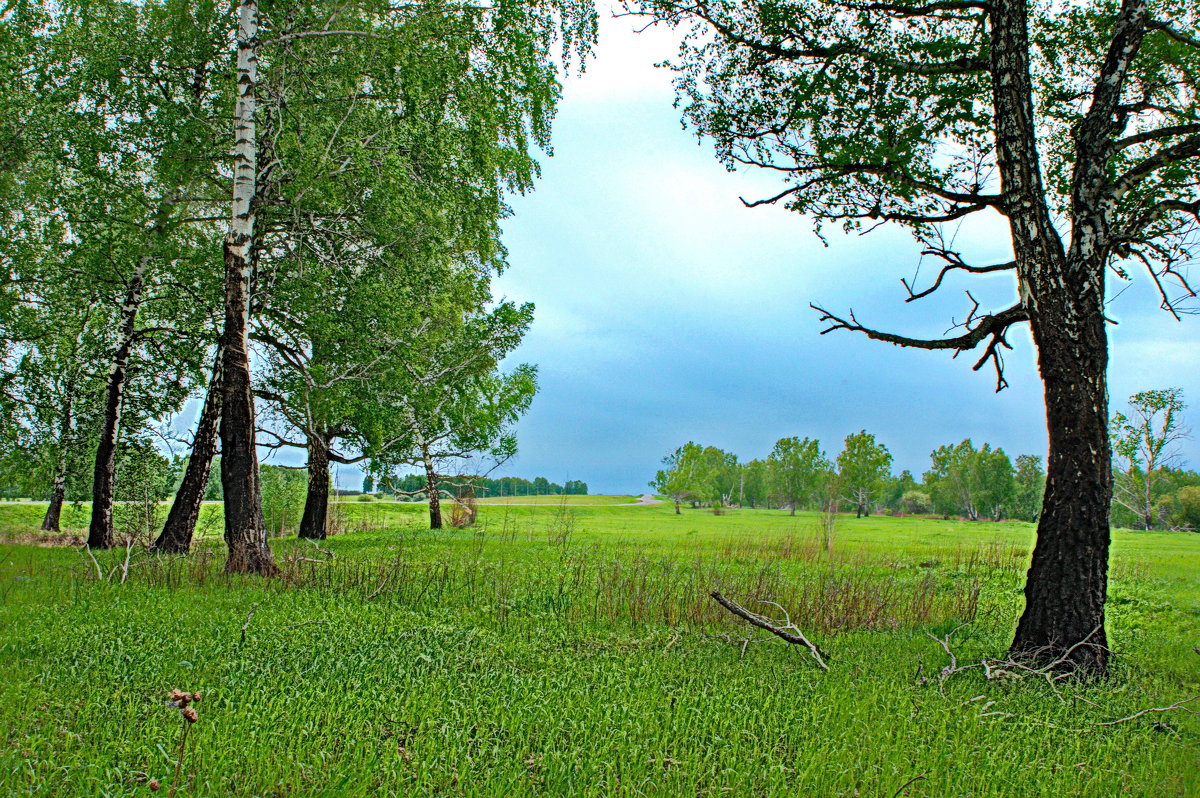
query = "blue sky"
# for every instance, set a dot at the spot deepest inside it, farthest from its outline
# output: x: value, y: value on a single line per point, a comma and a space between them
x: 668, y: 312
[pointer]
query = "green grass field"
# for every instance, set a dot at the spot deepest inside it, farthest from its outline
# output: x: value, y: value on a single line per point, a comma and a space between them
x: 572, y: 650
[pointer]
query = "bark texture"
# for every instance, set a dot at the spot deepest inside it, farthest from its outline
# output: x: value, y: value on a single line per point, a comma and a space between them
x: 1063, y: 293
x: 176, y: 535
x: 313, y: 524
x: 245, y: 529
x: 431, y: 488
x: 100, y: 531
x: 52, y: 520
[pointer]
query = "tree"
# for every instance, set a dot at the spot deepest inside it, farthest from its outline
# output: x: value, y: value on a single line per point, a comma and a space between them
x: 462, y: 62
x: 862, y: 467
x: 756, y: 482
x: 454, y: 404
x: 797, y: 469
x: 1076, y: 122
x: 1144, y: 446
x: 684, y: 477
x: 1186, y: 513
x: 970, y: 481
x: 1030, y: 485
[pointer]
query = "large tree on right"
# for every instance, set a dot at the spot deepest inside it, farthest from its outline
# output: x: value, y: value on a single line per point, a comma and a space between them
x: 1078, y: 123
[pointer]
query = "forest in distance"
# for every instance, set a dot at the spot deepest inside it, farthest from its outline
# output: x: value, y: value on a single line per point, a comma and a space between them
x: 1153, y: 487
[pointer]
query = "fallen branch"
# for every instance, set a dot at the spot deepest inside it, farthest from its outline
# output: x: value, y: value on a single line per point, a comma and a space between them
x: 326, y: 552
x: 787, y: 631
x: 1176, y: 705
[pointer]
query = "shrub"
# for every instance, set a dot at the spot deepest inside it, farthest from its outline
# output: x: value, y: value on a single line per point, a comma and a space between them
x: 916, y: 502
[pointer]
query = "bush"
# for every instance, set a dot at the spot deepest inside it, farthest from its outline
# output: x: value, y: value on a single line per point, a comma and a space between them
x: 1186, y: 511
x: 283, y: 494
x: 916, y: 502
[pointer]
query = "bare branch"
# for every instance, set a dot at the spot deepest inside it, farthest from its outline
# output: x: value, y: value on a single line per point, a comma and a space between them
x: 993, y: 327
x: 955, y: 261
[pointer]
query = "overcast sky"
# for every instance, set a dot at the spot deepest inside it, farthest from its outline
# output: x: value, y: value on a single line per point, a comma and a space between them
x: 668, y: 312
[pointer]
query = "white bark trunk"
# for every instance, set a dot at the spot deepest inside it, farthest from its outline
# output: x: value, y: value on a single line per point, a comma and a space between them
x: 245, y: 153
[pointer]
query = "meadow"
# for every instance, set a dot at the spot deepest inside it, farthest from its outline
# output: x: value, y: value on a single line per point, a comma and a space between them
x: 573, y: 650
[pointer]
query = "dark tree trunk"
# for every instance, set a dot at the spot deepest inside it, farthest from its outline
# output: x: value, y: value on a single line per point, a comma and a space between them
x: 435, y: 502
x: 316, y: 502
x: 1063, y: 294
x: 176, y: 535
x: 1067, y: 582
x: 245, y: 529
x: 51, y: 521
x: 100, y: 530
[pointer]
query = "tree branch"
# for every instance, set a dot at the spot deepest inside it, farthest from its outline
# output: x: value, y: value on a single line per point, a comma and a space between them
x: 993, y: 327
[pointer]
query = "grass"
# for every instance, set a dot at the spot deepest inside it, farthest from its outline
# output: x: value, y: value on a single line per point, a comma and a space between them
x: 573, y: 651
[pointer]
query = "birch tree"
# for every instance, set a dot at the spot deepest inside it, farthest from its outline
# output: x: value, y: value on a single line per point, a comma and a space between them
x: 1145, y: 445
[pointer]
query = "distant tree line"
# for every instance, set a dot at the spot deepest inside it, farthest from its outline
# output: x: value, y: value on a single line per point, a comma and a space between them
x: 798, y: 475
x: 1152, y: 490
x: 415, y: 486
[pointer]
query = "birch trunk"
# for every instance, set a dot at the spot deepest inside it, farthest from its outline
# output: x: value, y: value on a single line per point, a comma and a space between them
x: 431, y: 488
x: 245, y: 530
x: 100, y: 531
x: 176, y: 536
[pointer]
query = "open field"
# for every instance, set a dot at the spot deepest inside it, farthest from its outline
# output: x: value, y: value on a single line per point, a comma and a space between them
x: 574, y: 651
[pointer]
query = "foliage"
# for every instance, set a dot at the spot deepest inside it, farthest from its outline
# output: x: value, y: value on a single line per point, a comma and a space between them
x: 970, y: 482
x: 798, y: 468
x: 684, y: 478
x: 916, y: 502
x: 862, y: 467
x: 1030, y: 487
x: 144, y: 480
x: 1144, y: 448
x: 283, y: 492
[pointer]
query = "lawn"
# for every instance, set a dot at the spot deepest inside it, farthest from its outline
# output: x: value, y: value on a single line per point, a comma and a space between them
x: 573, y: 650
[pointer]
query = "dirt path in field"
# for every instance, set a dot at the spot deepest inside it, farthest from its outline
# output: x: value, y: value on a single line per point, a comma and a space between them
x: 645, y: 500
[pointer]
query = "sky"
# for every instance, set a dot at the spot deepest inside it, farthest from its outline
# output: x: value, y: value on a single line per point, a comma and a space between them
x: 668, y: 312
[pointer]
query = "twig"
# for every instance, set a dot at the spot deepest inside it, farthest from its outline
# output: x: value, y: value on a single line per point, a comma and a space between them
x: 99, y: 573
x: 326, y: 552
x: 246, y: 625
x: 909, y: 783
x: 1176, y: 705
x: 790, y: 632
x: 125, y: 566
x: 384, y: 583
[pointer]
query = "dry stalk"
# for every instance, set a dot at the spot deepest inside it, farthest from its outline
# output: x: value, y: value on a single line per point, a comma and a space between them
x: 246, y: 625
